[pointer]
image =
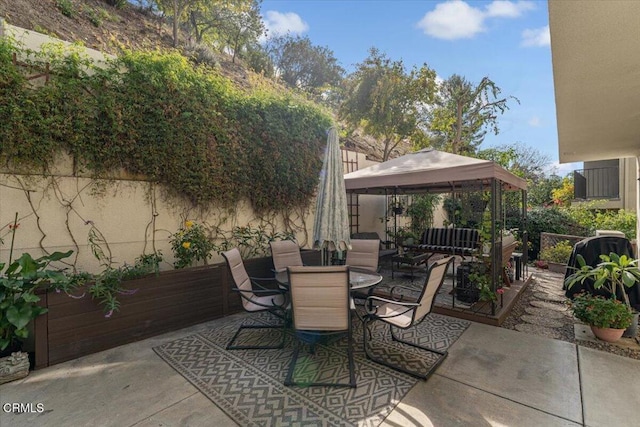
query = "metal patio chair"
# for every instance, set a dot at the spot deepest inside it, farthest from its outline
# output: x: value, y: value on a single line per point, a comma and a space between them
x: 320, y: 307
x: 363, y: 254
x: 404, y: 314
x: 255, y: 298
x: 285, y: 253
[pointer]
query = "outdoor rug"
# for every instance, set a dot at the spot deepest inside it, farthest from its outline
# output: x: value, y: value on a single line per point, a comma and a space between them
x: 248, y: 384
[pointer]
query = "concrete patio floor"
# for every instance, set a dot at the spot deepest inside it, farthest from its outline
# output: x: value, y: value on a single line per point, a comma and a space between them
x: 492, y: 377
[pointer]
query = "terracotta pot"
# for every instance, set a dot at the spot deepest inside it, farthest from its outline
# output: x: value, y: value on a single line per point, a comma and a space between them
x: 607, y: 334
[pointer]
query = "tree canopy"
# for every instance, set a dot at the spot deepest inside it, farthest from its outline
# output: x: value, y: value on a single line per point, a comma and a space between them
x: 386, y: 100
x: 464, y: 112
x: 302, y: 65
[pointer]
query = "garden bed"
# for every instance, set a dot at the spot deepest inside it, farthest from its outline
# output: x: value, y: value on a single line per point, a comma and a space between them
x: 165, y: 302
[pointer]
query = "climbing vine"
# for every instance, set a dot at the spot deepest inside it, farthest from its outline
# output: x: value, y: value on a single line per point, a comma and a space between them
x: 155, y: 115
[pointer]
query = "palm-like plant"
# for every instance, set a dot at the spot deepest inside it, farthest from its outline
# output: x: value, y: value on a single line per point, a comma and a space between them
x: 613, y: 274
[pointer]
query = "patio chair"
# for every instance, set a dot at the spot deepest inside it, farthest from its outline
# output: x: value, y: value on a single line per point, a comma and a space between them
x: 363, y: 254
x: 320, y: 307
x: 255, y: 298
x: 285, y: 253
x: 398, y: 312
x: 386, y: 251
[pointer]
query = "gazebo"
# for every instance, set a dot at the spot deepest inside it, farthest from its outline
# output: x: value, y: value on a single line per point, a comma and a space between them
x: 432, y: 171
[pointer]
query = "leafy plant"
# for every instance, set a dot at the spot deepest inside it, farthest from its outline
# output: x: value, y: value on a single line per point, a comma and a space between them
x: 613, y: 274
x: 453, y: 208
x: 94, y: 18
x: 66, y: 8
x: 191, y: 244
x: 421, y: 212
x: 482, y: 280
x: 601, y: 312
x: 18, y: 299
x: 550, y: 220
x: 108, y: 284
x: 159, y: 116
x: 251, y: 242
x: 560, y: 252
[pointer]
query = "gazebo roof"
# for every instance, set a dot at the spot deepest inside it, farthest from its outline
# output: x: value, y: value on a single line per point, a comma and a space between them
x: 429, y: 170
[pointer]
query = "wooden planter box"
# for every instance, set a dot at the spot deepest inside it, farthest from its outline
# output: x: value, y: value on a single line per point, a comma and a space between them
x: 165, y: 302
x: 557, y: 267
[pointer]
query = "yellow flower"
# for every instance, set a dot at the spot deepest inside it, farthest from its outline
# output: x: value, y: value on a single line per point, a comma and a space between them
x: 188, y: 224
x: 186, y: 245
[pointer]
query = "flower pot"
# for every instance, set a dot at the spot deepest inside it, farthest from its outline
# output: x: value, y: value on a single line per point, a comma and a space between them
x: 632, y: 330
x: 607, y: 334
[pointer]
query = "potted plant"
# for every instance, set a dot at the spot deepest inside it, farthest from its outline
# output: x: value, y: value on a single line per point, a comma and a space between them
x: 610, y: 276
x: 607, y: 317
x: 19, y: 306
x: 557, y: 256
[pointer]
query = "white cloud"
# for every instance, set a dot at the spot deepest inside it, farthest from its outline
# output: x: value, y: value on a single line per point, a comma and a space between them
x: 452, y: 20
x: 508, y: 9
x: 283, y: 23
x: 536, y: 37
x: 456, y: 19
x: 535, y: 122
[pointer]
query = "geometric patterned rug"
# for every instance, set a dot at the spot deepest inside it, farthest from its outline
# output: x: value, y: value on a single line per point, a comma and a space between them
x: 248, y: 384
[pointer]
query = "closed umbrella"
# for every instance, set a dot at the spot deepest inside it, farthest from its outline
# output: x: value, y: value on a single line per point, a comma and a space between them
x: 331, y: 225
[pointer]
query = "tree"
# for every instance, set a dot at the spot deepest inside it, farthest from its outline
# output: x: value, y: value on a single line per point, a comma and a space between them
x: 564, y: 195
x: 302, y: 65
x: 519, y: 159
x: 540, y: 194
x: 178, y: 10
x: 227, y: 24
x: 387, y: 101
x: 242, y: 26
x: 465, y: 112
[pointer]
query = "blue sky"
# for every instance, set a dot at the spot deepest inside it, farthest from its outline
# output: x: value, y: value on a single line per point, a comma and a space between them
x: 508, y: 41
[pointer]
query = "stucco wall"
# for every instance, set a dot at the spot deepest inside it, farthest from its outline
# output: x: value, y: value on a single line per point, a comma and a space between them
x: 58, y: 213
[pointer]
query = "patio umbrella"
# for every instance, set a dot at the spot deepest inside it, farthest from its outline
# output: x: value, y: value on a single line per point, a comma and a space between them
x: 331, y: 225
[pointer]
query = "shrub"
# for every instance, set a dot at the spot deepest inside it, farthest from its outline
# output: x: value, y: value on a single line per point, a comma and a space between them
x: 191, y: 244
x: 592, y: 219
x: 559, y: 253
x: 620, y: 220
x: 156, y: 115
x: 66, y: 8
x: 550, y: 220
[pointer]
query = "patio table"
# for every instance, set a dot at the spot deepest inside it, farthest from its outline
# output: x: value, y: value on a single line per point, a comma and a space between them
x: 358, y: 278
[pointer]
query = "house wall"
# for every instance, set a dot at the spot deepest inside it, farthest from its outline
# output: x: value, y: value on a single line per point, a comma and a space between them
x: 627, y: 184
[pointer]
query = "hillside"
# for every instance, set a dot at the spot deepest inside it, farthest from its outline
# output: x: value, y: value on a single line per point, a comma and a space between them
x: 102, y: 27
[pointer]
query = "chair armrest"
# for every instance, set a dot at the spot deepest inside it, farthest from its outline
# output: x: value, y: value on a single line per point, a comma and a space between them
x: 266, y: 292
x: 372, y: 311
x: 400, y: 287
x: 261, y: 291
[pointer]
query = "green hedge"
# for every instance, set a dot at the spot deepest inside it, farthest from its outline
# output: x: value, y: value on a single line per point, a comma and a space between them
x: 154, y: 113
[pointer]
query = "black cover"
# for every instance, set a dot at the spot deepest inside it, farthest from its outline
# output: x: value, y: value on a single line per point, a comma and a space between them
x: 591, y: 249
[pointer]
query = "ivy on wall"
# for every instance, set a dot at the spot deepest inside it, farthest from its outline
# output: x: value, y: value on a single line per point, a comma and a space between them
x: 154, y: 114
